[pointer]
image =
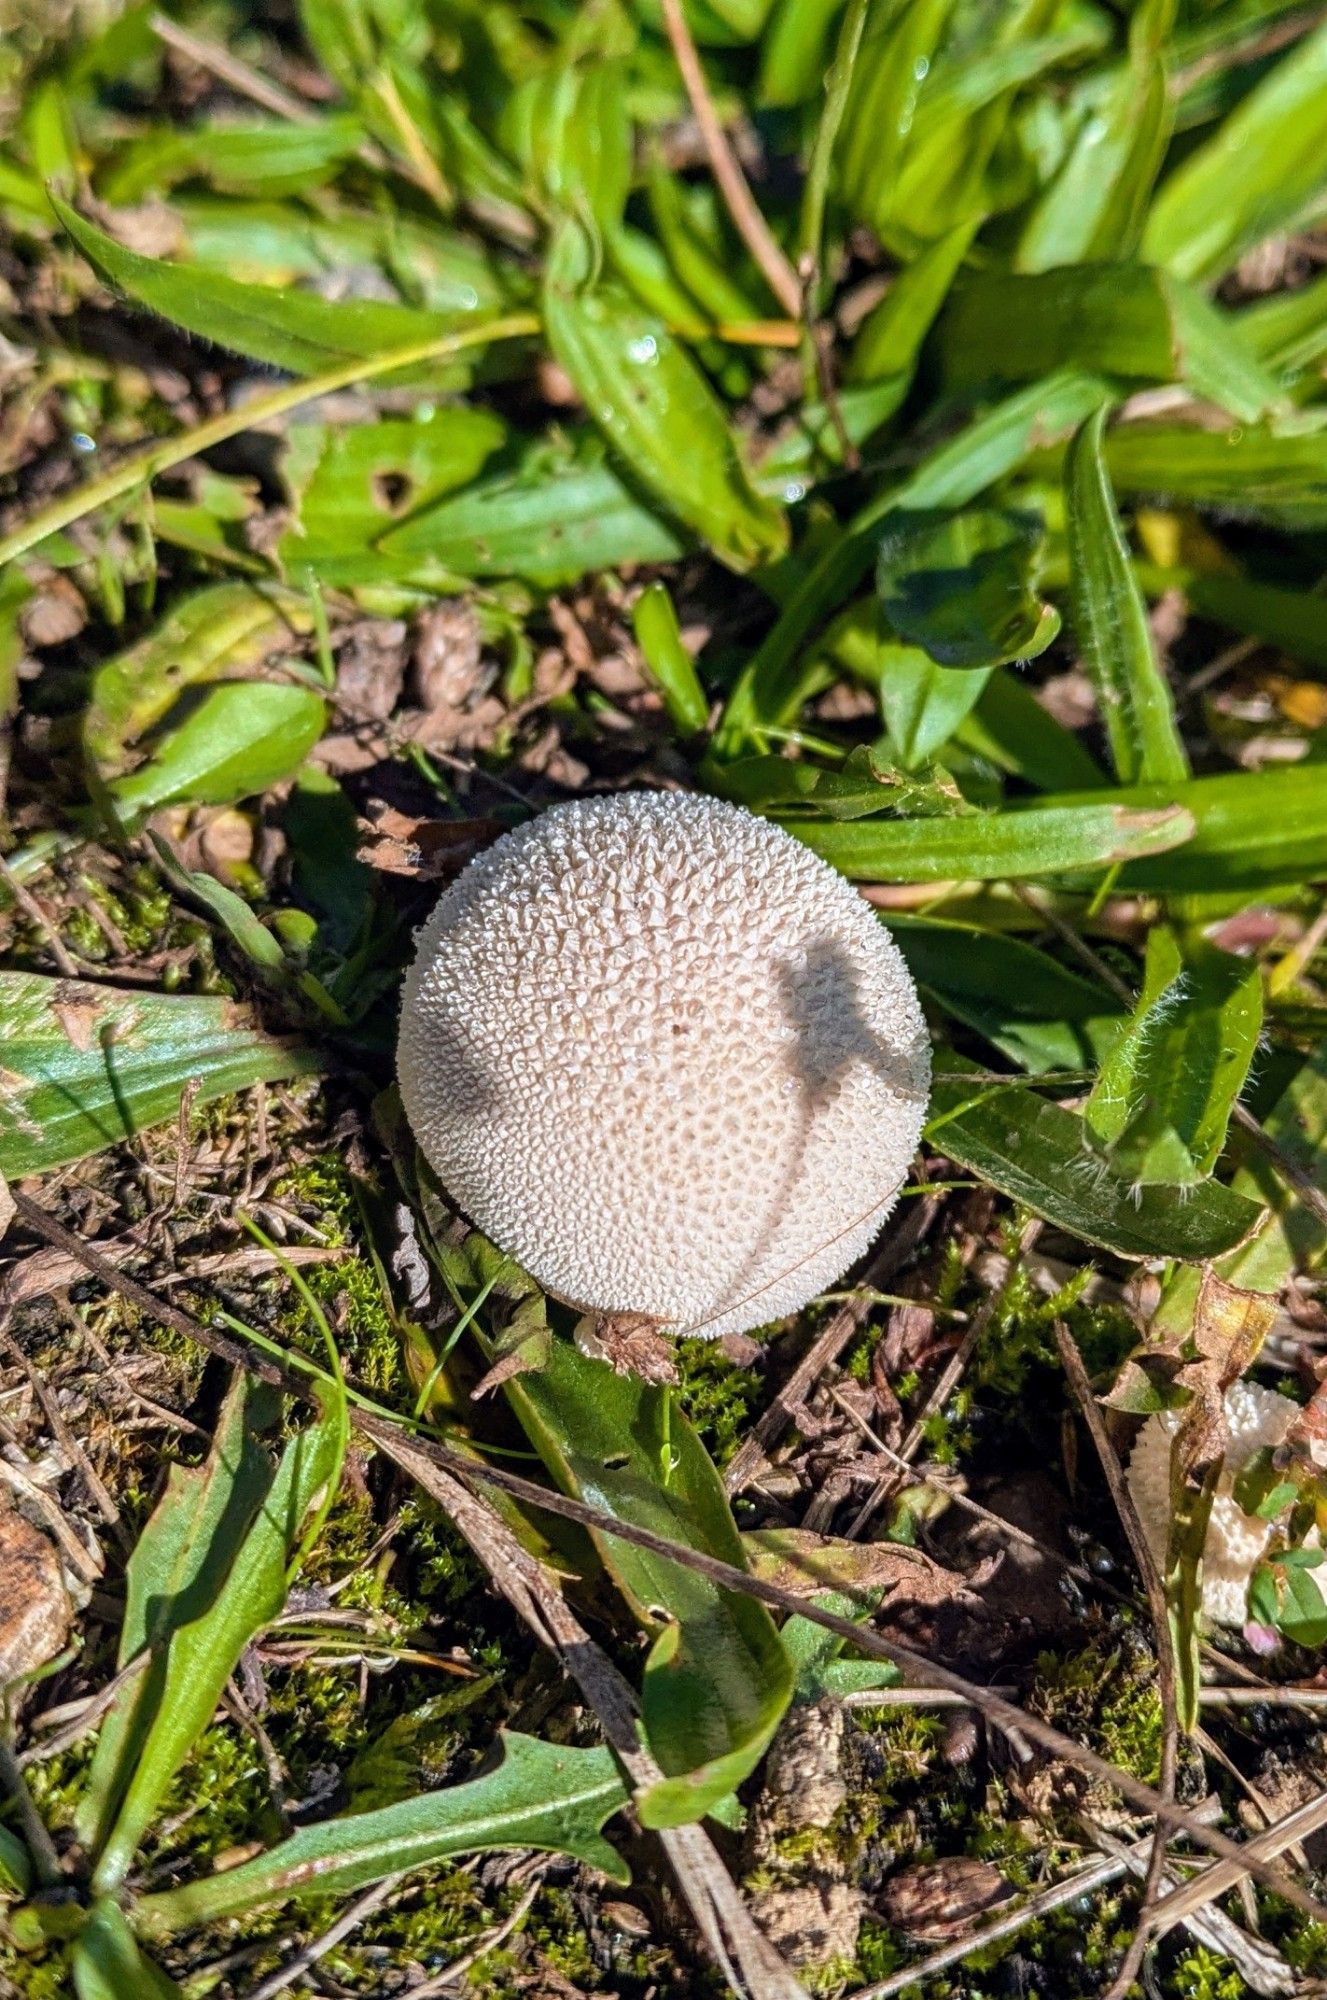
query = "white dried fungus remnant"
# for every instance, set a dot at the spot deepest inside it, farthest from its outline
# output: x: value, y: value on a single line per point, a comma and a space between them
x: 1235, y: 1540
x: 666, y: 1058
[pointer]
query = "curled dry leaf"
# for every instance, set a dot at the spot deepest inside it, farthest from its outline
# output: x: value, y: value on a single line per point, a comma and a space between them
x: 431, y: 850
x: 939, y: 1900
x: 34, y: 1606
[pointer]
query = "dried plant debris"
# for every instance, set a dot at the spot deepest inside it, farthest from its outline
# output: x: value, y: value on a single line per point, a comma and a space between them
x: 899, y: 426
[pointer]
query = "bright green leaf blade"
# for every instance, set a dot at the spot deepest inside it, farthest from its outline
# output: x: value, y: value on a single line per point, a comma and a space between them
x: 176, y: 1569
x: 269, y: 158
x: 278, y: 243
x: 1264, y: 170
x: 1289, y: 329
x: 1096, y: 204
x: 1252, y: 830
x: 656, y: 409
x: 987, y: 847
x: 924, y: 703
x: 203, y: 1650
x: 108, y: 1963
x: 1250, y: 472
x: 890, y: 337
x: 1023, y: 1001
x: 654, y: 621
x: 1110, y: 620
x: 1122, y: 320
x: 15, y: 1867
x: 717, y: 1680
x: 227, y: 628
x: 769, y: 690
x: 1162, y: 1101
x: 542, y: 1795
x: 351, y: 487
x: 549, y: 516
x: 1289, y: 1237
x: 86, y: 1067
x: 286, y: 329
x: 1036, y: 1152
x: 240, y: 738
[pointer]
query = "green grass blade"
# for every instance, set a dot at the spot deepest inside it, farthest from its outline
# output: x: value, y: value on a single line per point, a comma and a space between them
x: 1110, y: 620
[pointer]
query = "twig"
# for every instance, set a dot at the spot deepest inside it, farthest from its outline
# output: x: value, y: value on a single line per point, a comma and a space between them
x: 440, y: 1469
x: 1288, y: 1167
x: 1225, y: 1874
x: 350, y: 1918
x: 947, y: 1381
x: 1077, y: 944
x: 741, y: 204
x: 229, y: 69
x: 1156, y: 1604
x: 489, y: 1942
x: 45, y: 1860
x: 1262, y: 1968
x: 829, y: 1343
x: 88, y: 1715
x: 37, y: 916
x: 64, y: 1437
x: 1082, y: 1882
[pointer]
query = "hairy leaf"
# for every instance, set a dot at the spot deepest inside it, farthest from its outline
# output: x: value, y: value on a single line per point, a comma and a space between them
x: 548, y: 1796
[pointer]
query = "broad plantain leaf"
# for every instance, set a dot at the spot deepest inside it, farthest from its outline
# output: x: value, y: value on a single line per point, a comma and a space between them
x: 1037, y: 1153
x: 240, y: 737
x: 196, y: 1643
x: 716, y: 1680
x: 225, y: 629
x: 86, y: 1067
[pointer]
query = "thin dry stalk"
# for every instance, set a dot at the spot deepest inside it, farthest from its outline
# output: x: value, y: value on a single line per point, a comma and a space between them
x: 68, y: 1443
x: 1080, y: 1882
x: 1227, y: 1874
x: 741, y: 204
x: 945, y: 1384
x: 229, y: 69
x: 1261, y: 1967
x: 1156, y: 1604
x: 441, y: 1471
x: 490, y: 1941
x: 307, y: 1957
x: 750, y: 1456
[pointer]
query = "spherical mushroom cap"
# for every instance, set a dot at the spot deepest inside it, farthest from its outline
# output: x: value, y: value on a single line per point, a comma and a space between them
x: 666, y: 1058
x: 1235, y: 1540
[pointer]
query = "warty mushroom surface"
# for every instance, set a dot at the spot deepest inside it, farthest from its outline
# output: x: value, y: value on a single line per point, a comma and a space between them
x: 666, y: 1058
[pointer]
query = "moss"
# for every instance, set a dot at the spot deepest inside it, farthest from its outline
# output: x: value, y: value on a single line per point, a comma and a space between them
x: 1202, y: 1975
x: 1109, y: 1695
x: 717, y: 1397
x: 349, y: 1289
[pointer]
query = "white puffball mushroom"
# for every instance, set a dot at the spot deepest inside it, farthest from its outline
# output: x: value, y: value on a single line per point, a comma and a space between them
x: 1235, y: 1540
x: 666, y: 1058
